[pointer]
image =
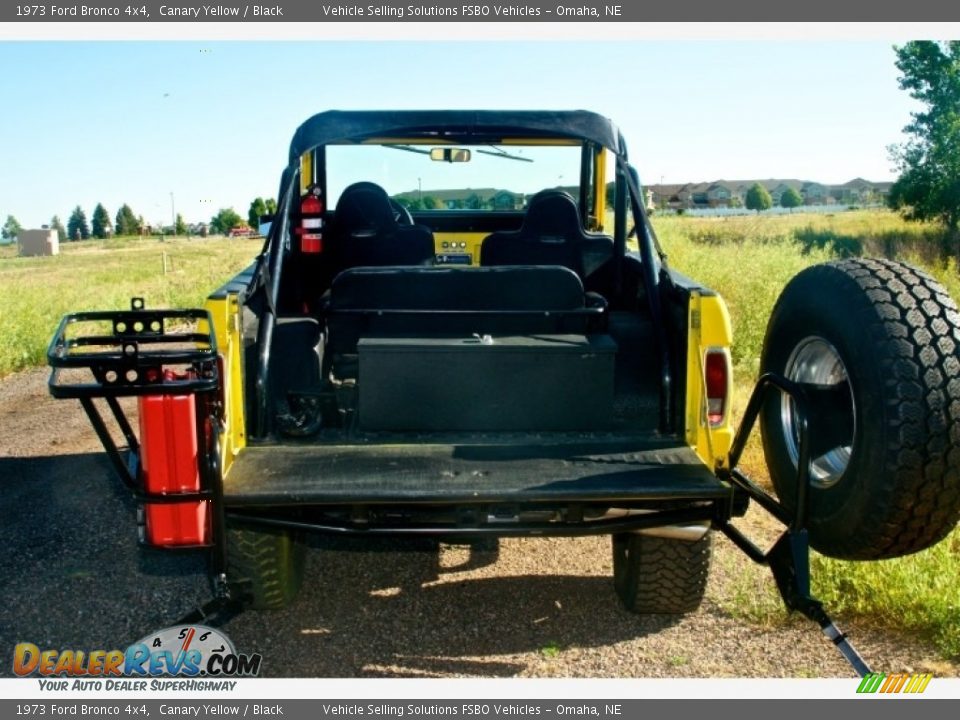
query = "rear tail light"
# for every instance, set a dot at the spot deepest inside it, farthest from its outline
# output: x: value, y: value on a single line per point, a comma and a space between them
x: 310, y: 229
x: 717, y: 376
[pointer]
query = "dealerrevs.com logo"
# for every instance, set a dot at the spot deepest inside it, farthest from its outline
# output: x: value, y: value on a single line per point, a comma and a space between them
x: 182, y: 651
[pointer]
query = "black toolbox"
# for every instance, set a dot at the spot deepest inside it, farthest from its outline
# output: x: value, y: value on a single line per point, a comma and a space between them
x: 538, y: 382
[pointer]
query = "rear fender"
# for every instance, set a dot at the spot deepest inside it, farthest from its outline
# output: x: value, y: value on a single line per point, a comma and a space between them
x: 708, y: 329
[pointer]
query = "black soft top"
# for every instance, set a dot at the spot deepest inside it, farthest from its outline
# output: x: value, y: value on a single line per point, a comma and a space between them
x: 338, y: 126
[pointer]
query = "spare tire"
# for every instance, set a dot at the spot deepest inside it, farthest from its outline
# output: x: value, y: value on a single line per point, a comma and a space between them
x: 875, y: 344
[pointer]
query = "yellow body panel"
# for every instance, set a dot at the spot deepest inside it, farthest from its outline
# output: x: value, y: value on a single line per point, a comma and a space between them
x: 225, y: 312
x: 708, y: 328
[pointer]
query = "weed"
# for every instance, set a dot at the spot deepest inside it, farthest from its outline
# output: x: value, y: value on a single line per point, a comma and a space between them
x: 551, y: 650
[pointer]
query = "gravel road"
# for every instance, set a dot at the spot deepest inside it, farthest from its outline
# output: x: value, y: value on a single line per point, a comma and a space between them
x: 72, y: 576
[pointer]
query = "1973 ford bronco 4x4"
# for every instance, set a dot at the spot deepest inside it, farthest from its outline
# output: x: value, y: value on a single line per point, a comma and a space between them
x: 462, y: 325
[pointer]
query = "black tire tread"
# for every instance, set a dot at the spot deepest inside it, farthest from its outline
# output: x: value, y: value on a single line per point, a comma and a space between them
x: 266, y: 564
x: 654, y: 575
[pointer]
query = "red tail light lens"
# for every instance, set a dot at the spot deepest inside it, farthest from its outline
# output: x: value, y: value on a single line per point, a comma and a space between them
x: 717, y: 376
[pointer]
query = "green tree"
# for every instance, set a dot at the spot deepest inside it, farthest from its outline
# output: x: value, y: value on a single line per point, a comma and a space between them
x: 260, y: 207
x: 758, y: 198
x: 101, y: 226
x: 791, y: 199
x: 11, y: 228
x: 127, y: 222
x: 429, y: 202
x: 55, y: 224
x: 180, y: 227
x: 225, y: 220
x: 257, y: 208
x: 929, y: 161
x: 77, y: 228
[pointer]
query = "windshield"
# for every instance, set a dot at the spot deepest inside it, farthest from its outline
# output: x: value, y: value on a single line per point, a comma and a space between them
x: 489, y: 177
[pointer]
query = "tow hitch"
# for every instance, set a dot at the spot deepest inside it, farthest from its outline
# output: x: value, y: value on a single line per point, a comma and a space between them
x: 789, y: 557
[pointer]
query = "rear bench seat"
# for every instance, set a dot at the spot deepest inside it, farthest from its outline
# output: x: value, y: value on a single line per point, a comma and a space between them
x: 455, y: 302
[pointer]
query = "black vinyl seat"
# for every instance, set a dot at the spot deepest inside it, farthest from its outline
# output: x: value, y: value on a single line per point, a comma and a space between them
x: 441, y: 301
x: 365, y: 232
x: 552, y: 234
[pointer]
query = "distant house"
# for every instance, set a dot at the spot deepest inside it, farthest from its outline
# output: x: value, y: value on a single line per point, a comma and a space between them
x: 720, y: 193
x: 732, y: 193
x: 859, y: 191
x: 814, y: 193
x: 33, y: 243
x: 506, y: 200
x: 777, y: 190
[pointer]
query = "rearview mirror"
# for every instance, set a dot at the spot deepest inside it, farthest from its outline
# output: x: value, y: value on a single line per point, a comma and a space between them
x: 450, y: 155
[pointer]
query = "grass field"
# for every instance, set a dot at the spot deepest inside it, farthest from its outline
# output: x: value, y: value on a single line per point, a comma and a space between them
x: 103, y: 275
x: 747, y: 259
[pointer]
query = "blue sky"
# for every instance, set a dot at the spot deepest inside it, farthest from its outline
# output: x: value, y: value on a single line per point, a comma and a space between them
x: 115, y: 122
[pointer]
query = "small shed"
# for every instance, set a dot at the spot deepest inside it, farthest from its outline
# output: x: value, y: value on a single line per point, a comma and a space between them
x: 33, y: 243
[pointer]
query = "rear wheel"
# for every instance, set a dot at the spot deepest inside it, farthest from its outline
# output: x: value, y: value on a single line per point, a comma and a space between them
x: 655, y: 575
x: 265, y: 565
x: 874, y: 343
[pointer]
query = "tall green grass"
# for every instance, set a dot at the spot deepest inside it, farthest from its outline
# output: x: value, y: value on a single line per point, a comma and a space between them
x: 918, y: 593
x: 36, y: 292
x: 749, y: 258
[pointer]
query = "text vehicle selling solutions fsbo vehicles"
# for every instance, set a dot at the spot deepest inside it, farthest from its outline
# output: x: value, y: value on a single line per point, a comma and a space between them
x: 461, y: 325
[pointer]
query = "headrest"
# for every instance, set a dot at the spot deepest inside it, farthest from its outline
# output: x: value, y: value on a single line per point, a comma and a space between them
x: 552, y: 216
x: 364, y: 210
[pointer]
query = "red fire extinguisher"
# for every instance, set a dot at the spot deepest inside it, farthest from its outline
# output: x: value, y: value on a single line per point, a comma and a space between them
x: 310, y: 229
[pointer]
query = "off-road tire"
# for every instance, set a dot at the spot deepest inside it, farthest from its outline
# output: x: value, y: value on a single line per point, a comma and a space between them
x: 897, y: 333
x: 655, y: 575
x: 265, y: 565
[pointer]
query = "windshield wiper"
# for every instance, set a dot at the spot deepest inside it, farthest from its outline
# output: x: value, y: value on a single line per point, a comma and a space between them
x: 501, y: 153
x: 408, y: 148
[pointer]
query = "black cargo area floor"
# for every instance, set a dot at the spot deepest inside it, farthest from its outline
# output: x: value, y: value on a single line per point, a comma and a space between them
x: 620, y: 469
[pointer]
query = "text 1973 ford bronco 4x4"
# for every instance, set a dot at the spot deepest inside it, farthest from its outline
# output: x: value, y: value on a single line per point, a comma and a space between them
x: 462, y: 325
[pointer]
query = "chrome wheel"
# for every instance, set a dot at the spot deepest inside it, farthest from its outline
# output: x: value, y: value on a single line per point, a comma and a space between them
x: 814, y: 361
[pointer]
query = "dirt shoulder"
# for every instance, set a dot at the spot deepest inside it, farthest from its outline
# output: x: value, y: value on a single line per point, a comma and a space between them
x: 74, y: 577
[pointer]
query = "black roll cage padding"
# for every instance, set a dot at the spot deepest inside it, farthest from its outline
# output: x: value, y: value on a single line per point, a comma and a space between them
x: 587, y: 151
x: 789, y: 557
x: 268, y: 277
x: 652, y: 277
